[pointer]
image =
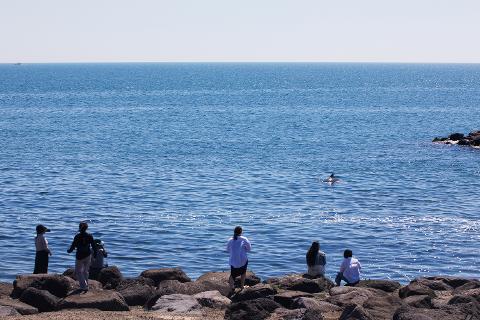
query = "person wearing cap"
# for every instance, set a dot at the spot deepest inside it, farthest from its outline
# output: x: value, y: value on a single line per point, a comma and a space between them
x: 98, y: 263
x: 42, y: 250
x: 83, y: 241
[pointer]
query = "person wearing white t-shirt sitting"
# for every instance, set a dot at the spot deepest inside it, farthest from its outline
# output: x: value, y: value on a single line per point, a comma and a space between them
x: 349, y: 270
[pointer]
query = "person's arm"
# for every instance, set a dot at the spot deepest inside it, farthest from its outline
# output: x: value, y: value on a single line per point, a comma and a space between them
x: 343, y: 266
x: 104, y: 252
x: 359, y: 265
x: 247, y: 245
x: 229, y: 245
x: 73, y: 246
x: 94, y: 247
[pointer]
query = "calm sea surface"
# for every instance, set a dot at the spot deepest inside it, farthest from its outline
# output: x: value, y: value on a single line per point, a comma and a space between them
x: 164, y: 160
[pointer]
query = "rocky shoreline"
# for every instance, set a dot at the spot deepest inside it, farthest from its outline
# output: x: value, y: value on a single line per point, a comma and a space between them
x: 472, y: 139
x: 168, y: 293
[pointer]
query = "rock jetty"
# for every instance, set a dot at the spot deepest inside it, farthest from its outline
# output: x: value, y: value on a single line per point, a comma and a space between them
x: 472, y: 139
x: 168, y: 293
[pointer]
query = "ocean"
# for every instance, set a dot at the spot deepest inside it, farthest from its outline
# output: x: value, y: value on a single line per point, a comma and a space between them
x: 164, y: 160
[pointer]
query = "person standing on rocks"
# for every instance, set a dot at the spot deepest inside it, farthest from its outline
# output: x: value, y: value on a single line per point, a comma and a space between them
x: 349, y: 270
x: 237, y: 247
x: 83, y: 241
x: 42, y: 250
x: 316, y: 260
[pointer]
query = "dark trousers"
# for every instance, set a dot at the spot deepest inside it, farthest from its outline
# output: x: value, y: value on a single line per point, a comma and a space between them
x: 341, y: 277
x: 41, y: 262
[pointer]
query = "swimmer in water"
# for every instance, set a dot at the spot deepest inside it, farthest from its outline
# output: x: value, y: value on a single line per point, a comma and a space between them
x: 332, y: 179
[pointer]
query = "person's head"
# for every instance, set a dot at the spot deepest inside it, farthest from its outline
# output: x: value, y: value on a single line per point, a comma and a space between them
x: 347, y: 253
x: 83, y: 226
x: 332, y: 175
x: 312, y: 253
x: 42, y: 229
x: 98, y: 243
x: 237, y: 232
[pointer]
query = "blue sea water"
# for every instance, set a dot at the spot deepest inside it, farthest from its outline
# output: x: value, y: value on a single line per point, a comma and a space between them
x: 164, y: 160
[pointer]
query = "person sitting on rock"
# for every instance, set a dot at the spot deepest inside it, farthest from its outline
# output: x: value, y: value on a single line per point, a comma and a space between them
x: 349, y: 270
x: 83, y: 241
x: 41, y: 250
x: 316, y: 261
x: 237, y: 247
x: 98, y: 262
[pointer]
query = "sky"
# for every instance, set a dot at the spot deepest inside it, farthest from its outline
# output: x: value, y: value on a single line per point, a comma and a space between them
x: 247, y: 30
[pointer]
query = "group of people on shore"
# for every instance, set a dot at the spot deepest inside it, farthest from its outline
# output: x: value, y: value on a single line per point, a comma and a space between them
x: 90, y: 254
x: 238, y: 246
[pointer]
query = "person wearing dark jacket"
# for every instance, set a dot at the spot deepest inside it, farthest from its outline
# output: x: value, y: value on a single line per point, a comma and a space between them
x: 84, y: 244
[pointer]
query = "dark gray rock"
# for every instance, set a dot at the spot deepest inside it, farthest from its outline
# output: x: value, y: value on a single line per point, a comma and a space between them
x: 168, y: 287
x: 105, y: 300
x: 110, y: 277
x: 8, y: 311
x: 287, y: 298
x: 257, y: 291
x: 315, y: 305
x: 343, y: 296
x: 297, y: 282
x: 178, y: 304
x: 410, y: 313
x: 456, y: 136
x: 297, y: 314
x: 43, y: 300
x: 422, y: 301
x: 416, y: 289
x: 6, y: 289
x: 136, y: 291
x: 257, y: 309
x: 57, y: 285
x: 212, y: 299
x: 384, y: 285
x: 221, y: 279
x: 159, y: 275
x: 22, y: 308
x: 70, y: 272
x: 355, y: 312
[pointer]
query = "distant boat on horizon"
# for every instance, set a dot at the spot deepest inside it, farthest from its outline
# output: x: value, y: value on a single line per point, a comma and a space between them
x: 17, y: 64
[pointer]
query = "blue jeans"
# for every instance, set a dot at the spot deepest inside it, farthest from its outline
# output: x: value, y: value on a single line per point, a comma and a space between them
x: 341, y: 277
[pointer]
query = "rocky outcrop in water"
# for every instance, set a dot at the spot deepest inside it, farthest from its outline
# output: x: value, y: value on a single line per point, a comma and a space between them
x: 472, y: 139
x: 288, y: 297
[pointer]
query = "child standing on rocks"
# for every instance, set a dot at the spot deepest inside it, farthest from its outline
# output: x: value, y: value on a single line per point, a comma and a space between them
x: 42, y: 250
x: 237, y: 247
x: 83, y: 241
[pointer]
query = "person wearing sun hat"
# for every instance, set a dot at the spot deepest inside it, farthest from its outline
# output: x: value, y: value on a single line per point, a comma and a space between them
x: 42, y: 250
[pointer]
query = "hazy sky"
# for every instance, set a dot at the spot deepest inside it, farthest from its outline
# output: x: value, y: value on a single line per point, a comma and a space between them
x: 247, y: 30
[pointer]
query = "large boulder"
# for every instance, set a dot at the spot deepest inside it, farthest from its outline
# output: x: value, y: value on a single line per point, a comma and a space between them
x: 343, y: 296
x: 410, y: 313
x: 451, y: 282
x: 178, y: 304
x: 169, y: 287
x: 221, y: 279
x: 43, y: 300
x: 137, y: 291
x: 8, y: 311
x: 416, y: 289
x: 22, y: 308
x: 419, y: 301
x: 287, y: 298
x: 257, y: 291
x: 57, y: 285
x: 257, y: 309
x: 110, y: 277
x: 105, y: 300
x: 384, y: 285
x: 6, y: 289
x: 70, y: 272
x: 212, y: 299
x: 159, y: 275
x: 297, y: 282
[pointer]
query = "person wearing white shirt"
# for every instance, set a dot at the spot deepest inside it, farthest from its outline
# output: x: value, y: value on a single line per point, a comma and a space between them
x: 41, y: 250
x: 349, y: 270
x: 237, y: 247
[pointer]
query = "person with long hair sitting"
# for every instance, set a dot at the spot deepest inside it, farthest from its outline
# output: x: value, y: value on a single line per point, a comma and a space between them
x: 316, y: 260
